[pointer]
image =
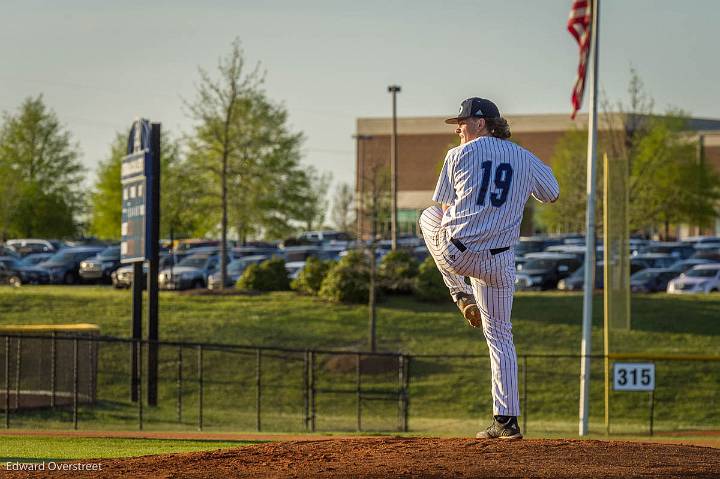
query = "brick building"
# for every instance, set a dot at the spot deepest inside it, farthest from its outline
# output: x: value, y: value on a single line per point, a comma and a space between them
x: 423, y: 142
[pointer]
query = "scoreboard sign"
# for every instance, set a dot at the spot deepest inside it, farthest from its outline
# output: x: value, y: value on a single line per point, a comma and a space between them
x: 134, y: 193
x: 634, y: 377
x: 139, y: 177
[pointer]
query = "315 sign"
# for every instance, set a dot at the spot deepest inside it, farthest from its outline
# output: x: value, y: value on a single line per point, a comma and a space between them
x: 633, y: 377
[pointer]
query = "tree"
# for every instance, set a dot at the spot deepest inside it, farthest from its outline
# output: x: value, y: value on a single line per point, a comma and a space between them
x: 342, y: 212
x: 42, y: 173
x: 315, y: 207
x: 106, y: 197
x: 569, y: 166
x: 245, y: 156
x: 667, y: 182
x: 177, y: 192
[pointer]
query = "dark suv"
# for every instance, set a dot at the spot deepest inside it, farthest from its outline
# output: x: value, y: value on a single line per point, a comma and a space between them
x: 14, y: 273
x: 544, y: 270
x: 64, y: 266
x: 190, y: 273
x: 100, y: 267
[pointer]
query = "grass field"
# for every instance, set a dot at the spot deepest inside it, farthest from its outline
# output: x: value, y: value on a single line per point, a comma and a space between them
x: 44, y: 448
x: 447, y: 396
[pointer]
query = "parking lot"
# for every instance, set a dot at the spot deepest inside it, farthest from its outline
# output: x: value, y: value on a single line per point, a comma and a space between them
x: 543, y: 262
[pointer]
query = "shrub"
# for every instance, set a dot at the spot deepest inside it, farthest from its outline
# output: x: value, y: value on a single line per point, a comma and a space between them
x: 348, y: 280
x: 429, y: 285
x: 397, y: 272
x: 311, y: 277
x: 270, y: 275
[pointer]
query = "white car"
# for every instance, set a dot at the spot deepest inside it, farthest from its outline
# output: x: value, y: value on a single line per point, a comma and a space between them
x: 704, y: 278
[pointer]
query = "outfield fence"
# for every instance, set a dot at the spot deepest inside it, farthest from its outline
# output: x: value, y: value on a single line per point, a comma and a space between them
x: 85, y: 382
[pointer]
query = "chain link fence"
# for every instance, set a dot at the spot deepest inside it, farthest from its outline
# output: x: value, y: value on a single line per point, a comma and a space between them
x: 85, y: 382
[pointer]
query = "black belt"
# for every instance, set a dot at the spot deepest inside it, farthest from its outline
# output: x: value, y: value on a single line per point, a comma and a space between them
x: 458, y: 244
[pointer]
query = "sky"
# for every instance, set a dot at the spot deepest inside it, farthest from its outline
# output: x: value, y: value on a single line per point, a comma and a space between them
x: 100, y: 63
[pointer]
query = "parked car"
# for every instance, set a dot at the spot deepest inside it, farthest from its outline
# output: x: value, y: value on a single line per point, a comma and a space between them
x: 322, y: 237
x: 301, y: 253
x: 100, y: 267
x: 35, y: 258
x: 190, y: 244
x: 707, y: 251
x: 683, y: 265
x: 701, y: 240
x: 235, y: 269
x: 122, y: 277
x: 544, y: 270
x: 577, y: 250
x: 8, y: 251
x: 576, y: 281
x: 534, y: 244
x: 655, y: 260
x: 651, y: 280
x: 190, y: 273
x: 703, y: 278
x: 294, y: 268
x: 27, y: 246
x: 265, y: 250
x: 675, y: 249
x: 14, y: 273
x: 64, y: 266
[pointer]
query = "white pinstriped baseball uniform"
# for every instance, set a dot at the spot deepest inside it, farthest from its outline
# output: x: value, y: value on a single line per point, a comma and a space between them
x: 486, y: 182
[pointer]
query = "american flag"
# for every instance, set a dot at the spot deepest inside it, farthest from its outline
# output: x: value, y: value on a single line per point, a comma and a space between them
x: 579, y: 27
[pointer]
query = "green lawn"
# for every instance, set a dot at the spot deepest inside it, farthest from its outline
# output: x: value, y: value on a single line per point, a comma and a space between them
x: 446, y: 395
x: 44, y: 448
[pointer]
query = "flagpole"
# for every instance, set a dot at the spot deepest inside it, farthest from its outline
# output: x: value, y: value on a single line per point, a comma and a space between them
x: 585, y: 348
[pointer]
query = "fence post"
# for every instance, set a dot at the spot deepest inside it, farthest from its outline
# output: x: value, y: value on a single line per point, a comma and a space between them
x: 18, y: 368
x: 525, y: 395
x: 53, y: 368
x: 133, y: 370
x: 313, y: 392
x: 76, y: 383
x: 7, y: 382
x: 179, y: 384
x: 401, y: 383
x: 652, y: 410
x: 258, y: 387
x: 358, y: 393
x: 138, y: 381
x: 91, y: 376
x: 406, y: 393
x: 306, y: 391
x: 200, y: 379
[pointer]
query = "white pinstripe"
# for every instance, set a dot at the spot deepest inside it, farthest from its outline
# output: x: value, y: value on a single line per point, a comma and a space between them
x: 482, y: 226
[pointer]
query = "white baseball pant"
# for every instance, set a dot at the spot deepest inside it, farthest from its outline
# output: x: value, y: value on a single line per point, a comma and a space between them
x: 492, y: 282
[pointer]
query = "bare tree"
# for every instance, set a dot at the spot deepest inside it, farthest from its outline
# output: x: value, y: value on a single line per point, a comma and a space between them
x: 376, y: 207
x: 343, y: 208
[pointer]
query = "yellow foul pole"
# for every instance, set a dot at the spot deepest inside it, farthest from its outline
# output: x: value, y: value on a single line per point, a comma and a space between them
x: 606, y: 289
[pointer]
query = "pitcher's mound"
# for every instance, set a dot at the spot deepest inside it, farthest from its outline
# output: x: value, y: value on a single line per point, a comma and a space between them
x: 426, y: 457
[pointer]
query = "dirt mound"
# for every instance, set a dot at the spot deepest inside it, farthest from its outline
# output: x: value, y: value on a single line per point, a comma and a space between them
x: 422, y: 457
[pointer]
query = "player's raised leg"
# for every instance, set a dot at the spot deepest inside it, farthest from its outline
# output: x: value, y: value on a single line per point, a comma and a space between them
x: 430, y: 223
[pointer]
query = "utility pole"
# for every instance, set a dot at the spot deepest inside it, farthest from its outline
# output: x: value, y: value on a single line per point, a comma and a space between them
x: 394, y: 89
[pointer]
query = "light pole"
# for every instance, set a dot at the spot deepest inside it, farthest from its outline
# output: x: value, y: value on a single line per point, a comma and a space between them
x: 394, y: 89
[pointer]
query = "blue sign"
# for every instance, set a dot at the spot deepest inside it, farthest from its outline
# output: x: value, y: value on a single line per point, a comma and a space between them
x: 135, y: 177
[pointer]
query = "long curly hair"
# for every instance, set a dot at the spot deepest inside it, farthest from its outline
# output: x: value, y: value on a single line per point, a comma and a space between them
x: 498, y: 127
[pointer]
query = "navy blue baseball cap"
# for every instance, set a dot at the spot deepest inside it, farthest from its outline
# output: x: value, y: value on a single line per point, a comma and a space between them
x: 477, y: 107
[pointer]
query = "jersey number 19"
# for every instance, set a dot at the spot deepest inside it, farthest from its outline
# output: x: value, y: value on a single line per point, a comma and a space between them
x: 502, y: 179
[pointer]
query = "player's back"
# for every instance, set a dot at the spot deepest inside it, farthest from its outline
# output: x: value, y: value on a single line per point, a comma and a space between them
x: 491, y: 180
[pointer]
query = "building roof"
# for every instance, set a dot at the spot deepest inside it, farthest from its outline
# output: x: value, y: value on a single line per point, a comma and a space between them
x: 557, y: 122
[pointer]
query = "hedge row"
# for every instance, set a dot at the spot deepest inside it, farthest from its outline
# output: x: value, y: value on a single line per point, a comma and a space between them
x: 347, y: 280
